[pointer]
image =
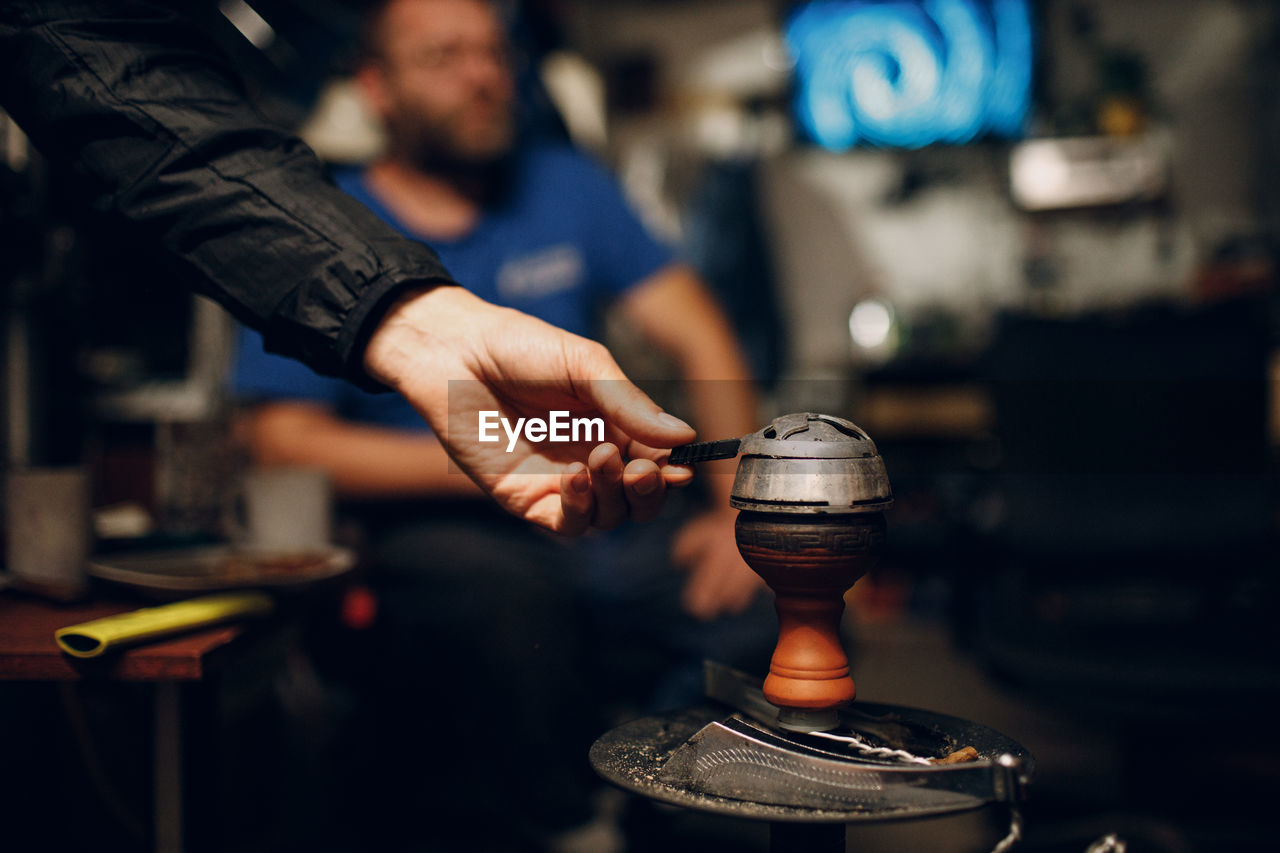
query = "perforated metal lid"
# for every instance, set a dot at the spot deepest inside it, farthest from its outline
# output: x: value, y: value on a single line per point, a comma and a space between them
x: 806, y: 463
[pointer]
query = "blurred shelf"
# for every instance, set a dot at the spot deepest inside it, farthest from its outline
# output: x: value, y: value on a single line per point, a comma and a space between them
x: 962, y: 410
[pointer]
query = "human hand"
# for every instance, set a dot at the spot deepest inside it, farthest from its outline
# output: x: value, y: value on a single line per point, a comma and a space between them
x: 453, y: 355
x: 718, y: 579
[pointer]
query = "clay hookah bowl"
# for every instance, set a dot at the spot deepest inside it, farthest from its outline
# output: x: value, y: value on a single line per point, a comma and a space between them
x: 811, y: 489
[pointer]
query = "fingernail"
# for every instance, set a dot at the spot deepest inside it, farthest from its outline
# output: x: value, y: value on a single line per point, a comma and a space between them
x: 672, y: 422
x: 645, y: 485
x: 602, y: 455
x: 580, y: 481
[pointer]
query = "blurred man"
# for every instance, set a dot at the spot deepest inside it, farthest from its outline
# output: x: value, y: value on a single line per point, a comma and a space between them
x: 546, y: 231
x: 539, y: 229
x: 133, y: 99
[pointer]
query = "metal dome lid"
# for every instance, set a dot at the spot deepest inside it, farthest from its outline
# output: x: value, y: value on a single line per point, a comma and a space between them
x: 807, y: 435
x: 810, y: 463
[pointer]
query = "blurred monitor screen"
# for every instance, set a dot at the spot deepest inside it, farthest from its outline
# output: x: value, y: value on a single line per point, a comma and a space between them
x: 910, y: 73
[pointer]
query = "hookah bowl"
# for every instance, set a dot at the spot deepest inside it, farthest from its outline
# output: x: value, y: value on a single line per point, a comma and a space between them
x: 812, y: 490
x: 796, y: 750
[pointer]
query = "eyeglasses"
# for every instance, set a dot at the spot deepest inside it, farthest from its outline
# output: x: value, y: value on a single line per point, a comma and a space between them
x: 452, y: 56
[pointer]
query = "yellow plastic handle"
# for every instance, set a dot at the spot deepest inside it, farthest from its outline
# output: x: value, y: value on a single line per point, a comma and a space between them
x: 90, y: 639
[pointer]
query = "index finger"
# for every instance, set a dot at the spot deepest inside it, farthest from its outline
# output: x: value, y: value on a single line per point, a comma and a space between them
x: 626, y: 406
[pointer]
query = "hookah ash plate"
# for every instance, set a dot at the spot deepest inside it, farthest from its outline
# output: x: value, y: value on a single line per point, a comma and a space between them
x: 729, y: 764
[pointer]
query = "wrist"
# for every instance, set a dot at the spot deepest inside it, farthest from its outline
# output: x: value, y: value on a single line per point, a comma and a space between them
x: 418, y: 323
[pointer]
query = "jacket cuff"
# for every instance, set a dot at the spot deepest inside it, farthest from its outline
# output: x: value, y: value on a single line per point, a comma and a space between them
x: 365, y: 317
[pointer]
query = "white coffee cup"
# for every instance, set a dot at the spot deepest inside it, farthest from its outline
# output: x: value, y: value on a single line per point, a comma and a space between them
x: 48, y: 530
x: 286, y: 510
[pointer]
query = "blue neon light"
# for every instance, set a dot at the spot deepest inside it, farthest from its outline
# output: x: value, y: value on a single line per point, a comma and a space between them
x: 909, y: 73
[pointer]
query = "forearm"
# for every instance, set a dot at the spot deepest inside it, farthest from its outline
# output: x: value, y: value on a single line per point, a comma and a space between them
x: 160, y: 136
x: 362, y: 461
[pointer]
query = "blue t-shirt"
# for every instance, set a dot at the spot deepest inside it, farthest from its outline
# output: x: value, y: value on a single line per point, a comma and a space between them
x: 560, y: 244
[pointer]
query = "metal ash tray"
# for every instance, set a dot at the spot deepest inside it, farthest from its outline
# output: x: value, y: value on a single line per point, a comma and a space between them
x: 742, y: 764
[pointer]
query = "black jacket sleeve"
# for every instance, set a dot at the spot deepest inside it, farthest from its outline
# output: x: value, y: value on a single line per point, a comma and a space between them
x: 159, y: 132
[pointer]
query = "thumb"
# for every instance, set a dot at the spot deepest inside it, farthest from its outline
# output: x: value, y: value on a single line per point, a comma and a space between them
x: 626, y: 406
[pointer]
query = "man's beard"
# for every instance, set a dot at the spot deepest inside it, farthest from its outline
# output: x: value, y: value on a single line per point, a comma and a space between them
x: 435, y: 146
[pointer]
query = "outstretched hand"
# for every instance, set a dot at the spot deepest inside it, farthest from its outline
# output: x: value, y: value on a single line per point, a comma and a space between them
x: 453, y: 355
